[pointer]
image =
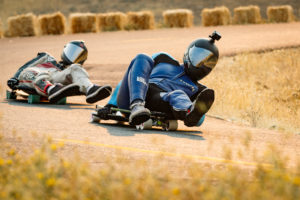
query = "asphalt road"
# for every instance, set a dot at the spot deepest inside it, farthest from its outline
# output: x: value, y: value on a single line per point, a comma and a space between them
x: 217, y: 141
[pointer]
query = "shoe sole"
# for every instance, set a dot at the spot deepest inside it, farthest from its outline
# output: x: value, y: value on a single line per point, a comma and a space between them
x: 100, y: 94
x: 202, y: 105
x: 205, y: 101
x: 139, y: 118
x: 68, y: 90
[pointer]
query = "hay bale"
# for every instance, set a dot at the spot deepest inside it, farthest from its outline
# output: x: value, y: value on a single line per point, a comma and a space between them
x: 83, y: 23
x: 247, y: 15
x: 111, y: 21
x: 280, y: 13
x: 52, y: 24
x: 216, y: 16
x: 178, y: 18
x: 140, y: 20
x: 22, y: 25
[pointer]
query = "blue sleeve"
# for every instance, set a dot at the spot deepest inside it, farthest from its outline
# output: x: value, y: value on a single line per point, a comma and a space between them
x: 178, y: 99
x: 162, y: 57
x: 160, y: 53
x: 113, y: 98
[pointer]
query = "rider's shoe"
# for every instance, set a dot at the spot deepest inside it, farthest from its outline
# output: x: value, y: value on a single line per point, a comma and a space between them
x: 58, y: 91
x: 139, y: 114
x: 200, y: 106
x: 97, y: 93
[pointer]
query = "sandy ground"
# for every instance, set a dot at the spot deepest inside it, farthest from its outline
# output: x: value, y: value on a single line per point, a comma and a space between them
x: 109, y: 55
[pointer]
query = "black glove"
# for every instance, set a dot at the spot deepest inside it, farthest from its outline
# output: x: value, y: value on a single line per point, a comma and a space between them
x: 103, y: 112
x: 13, y: 83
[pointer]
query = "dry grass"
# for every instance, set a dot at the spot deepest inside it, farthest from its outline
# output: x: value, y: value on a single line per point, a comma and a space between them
x: 259, y: 89
x: 43, y: 174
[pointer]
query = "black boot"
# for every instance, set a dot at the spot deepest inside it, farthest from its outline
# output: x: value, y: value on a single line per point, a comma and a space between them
x: 139, y: 114
x: 97, y: 93
x: 59, y: 91
x: 200, y: 106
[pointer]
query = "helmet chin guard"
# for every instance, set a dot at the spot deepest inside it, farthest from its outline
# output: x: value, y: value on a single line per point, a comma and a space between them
x: 201, y: 56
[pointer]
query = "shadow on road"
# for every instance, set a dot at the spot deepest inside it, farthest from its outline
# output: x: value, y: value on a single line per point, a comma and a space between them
x: 68, y: 106
x: 126, y: 130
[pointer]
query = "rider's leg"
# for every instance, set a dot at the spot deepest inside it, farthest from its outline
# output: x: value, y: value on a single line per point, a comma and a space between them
x: 132, y: 92
x: 76, y: 74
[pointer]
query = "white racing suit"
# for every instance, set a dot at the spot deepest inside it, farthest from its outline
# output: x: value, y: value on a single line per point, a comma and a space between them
x: 44, y: 71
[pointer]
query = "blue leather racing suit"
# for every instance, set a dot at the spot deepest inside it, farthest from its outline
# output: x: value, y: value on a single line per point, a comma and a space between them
x: 160, y: 81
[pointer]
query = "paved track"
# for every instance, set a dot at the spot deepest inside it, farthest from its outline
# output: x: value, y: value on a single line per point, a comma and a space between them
x: 109, y: 55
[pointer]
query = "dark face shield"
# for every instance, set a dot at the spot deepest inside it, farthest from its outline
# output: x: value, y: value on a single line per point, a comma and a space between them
x: 202, y: 57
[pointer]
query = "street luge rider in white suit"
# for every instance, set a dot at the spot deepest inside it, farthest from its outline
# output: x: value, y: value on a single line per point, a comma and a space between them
x: 56, y: 80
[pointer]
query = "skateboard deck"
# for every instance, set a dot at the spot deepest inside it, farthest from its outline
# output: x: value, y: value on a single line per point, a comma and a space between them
x: 30, y: 97
x: 157, y: 119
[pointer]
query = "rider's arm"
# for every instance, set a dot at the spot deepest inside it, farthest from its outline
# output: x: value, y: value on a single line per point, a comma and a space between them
x: 163, y: 57
x: 30, y: 63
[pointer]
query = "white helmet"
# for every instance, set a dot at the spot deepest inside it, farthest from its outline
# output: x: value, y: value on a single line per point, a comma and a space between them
x: 74, y: 52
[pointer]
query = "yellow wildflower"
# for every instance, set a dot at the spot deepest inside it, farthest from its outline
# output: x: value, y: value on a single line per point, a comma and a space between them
x: 39, y: 175
x: 176, y: 191
x: 50, y: 182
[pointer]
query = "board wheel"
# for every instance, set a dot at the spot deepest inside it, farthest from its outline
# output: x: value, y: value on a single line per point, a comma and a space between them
x: 95, y: 118
x: 32, y: 98
x: 171, y: 125
x: 148, y: 124
x: 139, y: 127
x: 10, y: 95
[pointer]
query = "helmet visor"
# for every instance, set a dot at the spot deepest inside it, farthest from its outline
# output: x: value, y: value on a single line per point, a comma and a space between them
x: 73, y: 52
x: 200, y: 56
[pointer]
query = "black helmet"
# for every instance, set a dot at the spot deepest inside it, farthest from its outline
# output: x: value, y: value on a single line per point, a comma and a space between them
x: 74, y: 52
x: 201, y: 56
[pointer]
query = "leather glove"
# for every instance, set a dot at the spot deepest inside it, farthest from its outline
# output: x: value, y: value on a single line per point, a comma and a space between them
x: 13, y: 83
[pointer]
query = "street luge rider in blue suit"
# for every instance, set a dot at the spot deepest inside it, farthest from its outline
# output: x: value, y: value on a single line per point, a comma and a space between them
x: 161, y: 84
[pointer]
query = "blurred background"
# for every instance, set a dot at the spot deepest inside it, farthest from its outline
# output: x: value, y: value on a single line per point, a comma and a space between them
x: 15, y: 7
